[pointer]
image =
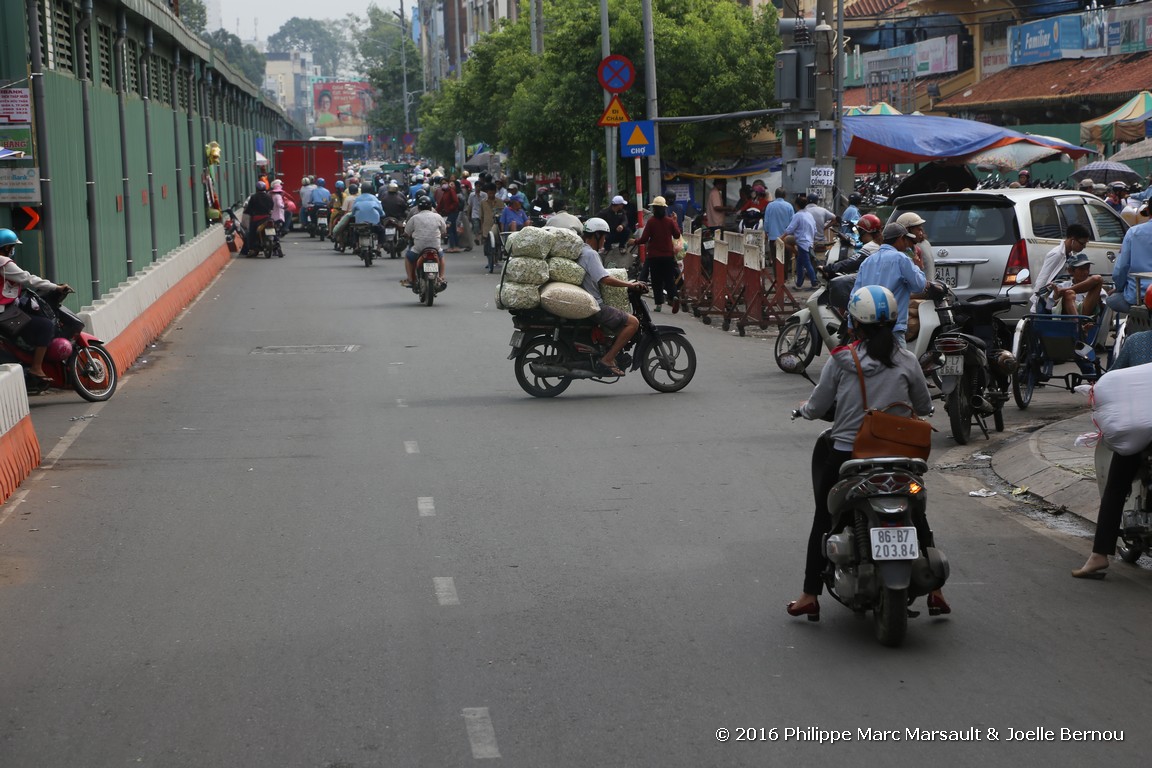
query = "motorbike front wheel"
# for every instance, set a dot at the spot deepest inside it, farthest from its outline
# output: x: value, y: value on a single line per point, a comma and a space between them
x: 93, y: 373
x: 541, y: 349
x: 959, y: 407
x: 366, y: 255
x: 1027, y: 374
x: 890, y: 616
x: 1128, y: 552
x: 797, y: 339
x: 669, y: 363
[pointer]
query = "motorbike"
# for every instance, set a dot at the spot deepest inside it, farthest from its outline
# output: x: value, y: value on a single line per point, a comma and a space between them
x: 269, y: 234
x: 364, y: 236
x: 232, y: 228
x: 749, y: 219
x: 880, y: 550
x: 393, y: 238
x: 318, y: 221
x: 1136, y: 519
x: 551, y: 352
x: 75, y: 360
x: 428, y: 282
x: 974, y: 365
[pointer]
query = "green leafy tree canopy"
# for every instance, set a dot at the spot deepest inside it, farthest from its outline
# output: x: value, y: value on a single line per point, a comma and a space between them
x: 317, y: 37
x: 246, y: 58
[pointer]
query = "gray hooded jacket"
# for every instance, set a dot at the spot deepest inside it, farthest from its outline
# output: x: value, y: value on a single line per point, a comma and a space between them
x: 839, y: 384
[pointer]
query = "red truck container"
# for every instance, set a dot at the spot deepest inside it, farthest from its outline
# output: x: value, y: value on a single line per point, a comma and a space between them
x: 295, y: 159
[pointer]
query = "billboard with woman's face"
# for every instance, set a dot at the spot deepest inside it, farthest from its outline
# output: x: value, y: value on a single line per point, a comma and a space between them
x: 342, y: 103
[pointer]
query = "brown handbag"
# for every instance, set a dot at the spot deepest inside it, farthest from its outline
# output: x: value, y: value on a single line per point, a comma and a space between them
x: 887, y: 434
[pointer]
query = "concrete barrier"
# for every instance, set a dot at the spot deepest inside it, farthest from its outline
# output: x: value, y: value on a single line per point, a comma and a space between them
x: 19, y: 448
x: 127, y: 319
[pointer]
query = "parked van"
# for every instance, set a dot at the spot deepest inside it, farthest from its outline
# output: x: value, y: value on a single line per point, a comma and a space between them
x: 981, y: 240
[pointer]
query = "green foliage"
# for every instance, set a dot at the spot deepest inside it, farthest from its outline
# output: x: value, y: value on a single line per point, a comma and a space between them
x: 245, y: 58
x: 385, y: 52
x: 323, y: 39
x: 194, y: 15
x: 712, y: 56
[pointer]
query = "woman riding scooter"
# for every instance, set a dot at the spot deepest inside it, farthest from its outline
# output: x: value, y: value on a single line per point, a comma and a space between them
x: 39, y: 330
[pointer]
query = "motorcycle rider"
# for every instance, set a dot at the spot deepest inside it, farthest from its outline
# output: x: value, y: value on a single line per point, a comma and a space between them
x: 890, y: 375
x: 891, y: 268
x: 279, y: 210
x: 610, y: 319
x: 321, y: 197
x: 259, y: 209
x: 40, y: 330
x: 307, y: 185
x: 1135, y: 256
x: 366, y: 209
x: 870, y: 228
x: 921, y: 250
x: 393, y: 203
x: 425, y: 229
x: 337, y: 234
x: 540, y: 206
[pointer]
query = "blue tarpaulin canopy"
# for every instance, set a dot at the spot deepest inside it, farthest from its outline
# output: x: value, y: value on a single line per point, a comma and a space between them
x: 754, y: 169
x: 888, y: 139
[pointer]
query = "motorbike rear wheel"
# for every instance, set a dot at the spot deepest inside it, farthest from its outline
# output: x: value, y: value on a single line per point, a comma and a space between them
x: 427, y: 291
x: 92, y: 373
x: 890, y: 616
x: 669, y: 363
x: 1129, y: 553
x: 798, y: 339
x: 541, y: 349
x: 959, y: 407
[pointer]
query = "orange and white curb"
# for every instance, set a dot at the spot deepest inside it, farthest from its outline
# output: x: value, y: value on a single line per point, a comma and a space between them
x: 19, y: 447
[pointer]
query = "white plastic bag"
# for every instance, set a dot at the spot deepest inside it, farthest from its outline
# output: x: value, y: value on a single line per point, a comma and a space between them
x: 1120, y: 409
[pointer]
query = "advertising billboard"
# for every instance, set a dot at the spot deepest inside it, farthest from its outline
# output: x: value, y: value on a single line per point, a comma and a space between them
x: 342, y: 103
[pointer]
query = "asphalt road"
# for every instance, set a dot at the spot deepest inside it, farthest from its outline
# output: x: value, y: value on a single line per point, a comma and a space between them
x: 321, y: 525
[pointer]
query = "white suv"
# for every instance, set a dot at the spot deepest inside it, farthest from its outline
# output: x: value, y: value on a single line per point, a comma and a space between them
x: 981, y: 240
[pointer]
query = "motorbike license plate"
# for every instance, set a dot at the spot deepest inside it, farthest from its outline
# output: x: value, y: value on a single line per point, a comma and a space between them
x: 366, y: 241
x: 431, y: 268
x: 389, y: 231
x: 517, y: 339
x: 895, y: 543
x: 947, y: 275
x: 953, y: 365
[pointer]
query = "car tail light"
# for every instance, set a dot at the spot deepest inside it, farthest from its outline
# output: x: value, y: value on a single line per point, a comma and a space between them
x: 1017, y: 260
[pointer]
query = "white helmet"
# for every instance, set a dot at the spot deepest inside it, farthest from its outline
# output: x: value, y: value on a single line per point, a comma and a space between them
x: 417, y: 178
x: 596, y: 224
x: 872, y: 304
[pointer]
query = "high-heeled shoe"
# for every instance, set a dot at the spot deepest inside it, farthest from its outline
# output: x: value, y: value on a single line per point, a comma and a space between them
x: 812, y: 610
x: 938, y: 606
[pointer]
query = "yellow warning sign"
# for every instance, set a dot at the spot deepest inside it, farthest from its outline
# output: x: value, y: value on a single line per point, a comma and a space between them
x: 614, y: 114
x: 637, y: 138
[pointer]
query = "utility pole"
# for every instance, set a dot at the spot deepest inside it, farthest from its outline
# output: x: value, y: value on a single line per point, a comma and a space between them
x: 404, y: 63
x: 655, y: 180
x: 825, y: 103
x: 610, y: 132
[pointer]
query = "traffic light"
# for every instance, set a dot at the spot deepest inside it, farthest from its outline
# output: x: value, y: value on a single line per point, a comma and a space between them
x: 368, y: 137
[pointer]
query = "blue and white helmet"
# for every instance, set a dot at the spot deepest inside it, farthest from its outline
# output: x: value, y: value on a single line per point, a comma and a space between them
x: 872, y: 304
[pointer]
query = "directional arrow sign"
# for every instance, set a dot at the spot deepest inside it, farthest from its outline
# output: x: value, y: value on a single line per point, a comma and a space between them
x: 614, y: 114
x: 25, y: 218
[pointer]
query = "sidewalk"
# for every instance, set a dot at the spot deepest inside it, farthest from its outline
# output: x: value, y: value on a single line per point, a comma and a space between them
x: 1050, y: 465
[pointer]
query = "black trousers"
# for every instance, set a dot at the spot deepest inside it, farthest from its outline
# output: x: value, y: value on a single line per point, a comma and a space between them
x: 662, y: 270
x: 1121, y: 472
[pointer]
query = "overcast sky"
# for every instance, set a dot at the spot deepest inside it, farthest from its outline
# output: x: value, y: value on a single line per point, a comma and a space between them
x: 262, y: 18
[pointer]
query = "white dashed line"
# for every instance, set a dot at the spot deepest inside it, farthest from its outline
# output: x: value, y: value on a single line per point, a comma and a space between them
x: 400, y: 403
x: 446, y: 590
x: 411, y: 447
x: 426, y: 506
x: 481, y: 734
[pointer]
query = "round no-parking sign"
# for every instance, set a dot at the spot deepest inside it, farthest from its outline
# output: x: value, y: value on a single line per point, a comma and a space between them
x: 616, y: 73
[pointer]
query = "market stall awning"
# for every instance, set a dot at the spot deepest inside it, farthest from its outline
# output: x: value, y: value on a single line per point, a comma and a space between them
x: 888, y: 139
x: 10, y: 154
x: 1103, y: 128
x: 753, y: 169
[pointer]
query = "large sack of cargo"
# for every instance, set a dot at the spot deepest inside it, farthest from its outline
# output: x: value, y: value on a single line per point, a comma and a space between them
x: 526, y: 271
x: 568, y: 301
x: 531, y: 242
x: 567, y: 245
x: 564, y: 271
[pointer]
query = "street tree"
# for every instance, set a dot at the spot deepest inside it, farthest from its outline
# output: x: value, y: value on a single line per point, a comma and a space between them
x: 316, y: 37
x: 712, y: 56
x: 384, y: 52
x: 243, y: 57
x: 194, y: 15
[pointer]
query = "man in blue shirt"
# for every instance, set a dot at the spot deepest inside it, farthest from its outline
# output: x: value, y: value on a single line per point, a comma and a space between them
x: 1135, y: 256
x: 777, y: 215
x: 803, y: 228
x: 891, y: 268
x: 367, y: 210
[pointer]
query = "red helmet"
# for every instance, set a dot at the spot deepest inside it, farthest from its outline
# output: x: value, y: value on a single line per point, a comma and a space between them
x: 1148, y: 297
x: 869, y: 223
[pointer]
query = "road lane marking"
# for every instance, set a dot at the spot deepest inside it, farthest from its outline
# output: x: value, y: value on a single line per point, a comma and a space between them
x: 400, y: 403
x: 410, y: 446
x: 446, y: 590
x: 426, y: 506
x: 481, y: 734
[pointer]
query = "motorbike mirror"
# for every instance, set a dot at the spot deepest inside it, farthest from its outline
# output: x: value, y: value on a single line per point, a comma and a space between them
x: 791, y: 363
x: 1022, y: 275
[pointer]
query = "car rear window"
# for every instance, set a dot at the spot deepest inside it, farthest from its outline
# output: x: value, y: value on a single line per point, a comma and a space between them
x: 968, y: 222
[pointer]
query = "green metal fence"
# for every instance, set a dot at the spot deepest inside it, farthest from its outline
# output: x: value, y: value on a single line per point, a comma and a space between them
x: 123, y: 100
